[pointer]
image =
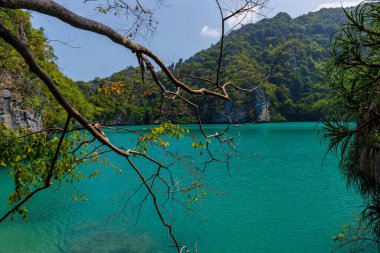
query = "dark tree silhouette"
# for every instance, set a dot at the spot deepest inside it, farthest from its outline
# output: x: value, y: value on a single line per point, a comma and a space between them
x: 355, y: 114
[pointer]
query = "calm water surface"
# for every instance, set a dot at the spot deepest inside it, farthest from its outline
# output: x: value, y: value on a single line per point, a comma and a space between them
x: 283, y: 196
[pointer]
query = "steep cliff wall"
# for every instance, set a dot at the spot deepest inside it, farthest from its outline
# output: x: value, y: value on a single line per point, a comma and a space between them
x: 261, y: 104
x: 257, y: 110
x: 13, y: 111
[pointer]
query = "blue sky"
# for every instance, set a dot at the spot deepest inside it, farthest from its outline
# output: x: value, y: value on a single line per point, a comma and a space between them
x: 185, y: 27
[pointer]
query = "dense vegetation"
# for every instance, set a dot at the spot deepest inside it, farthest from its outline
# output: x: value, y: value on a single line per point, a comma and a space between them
x: 15, y: 74
x: 124, y: 98
x: 296, y: 49
x: 292, y: 52
x: 354, y: 129
x: 27, y: 156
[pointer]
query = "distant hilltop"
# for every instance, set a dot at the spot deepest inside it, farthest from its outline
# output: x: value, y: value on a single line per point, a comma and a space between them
x: 294, y: 51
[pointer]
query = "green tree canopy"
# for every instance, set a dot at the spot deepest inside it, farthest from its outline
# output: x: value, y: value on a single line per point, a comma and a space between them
x: 354, y: 129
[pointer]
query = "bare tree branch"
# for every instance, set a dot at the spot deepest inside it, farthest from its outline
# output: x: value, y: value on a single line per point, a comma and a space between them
x: 147, y: 60
x: 53, y: 9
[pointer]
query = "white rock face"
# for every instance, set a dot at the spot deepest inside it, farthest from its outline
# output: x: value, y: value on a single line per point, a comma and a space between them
x: 261, y: 106
x: 13, y: 112
x: 256, y: 111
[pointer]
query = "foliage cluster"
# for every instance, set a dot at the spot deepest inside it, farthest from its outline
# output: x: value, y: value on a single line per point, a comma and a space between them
x: 123, y: 98
x: 27, y: 158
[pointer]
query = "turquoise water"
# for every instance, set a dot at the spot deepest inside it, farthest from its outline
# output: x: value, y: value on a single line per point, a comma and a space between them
x: 283, y: 195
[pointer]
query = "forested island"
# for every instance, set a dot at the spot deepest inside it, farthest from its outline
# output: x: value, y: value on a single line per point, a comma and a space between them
x: 290, y: 53
x: 166, y: 125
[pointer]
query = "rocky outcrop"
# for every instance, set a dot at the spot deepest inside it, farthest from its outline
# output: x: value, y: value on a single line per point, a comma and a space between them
x: 261, y: 104
x: 13, y: 112
x: 229, y: 114
x: 256, y: 111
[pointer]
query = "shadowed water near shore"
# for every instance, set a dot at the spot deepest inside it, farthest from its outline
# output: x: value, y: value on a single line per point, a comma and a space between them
x: 115, y: 242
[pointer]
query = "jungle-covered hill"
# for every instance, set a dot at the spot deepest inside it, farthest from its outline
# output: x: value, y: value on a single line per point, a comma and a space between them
x: 290, y: 53
x: 283, y: 57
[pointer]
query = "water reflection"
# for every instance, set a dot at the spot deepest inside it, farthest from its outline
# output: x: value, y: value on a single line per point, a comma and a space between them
x: 110, y: 242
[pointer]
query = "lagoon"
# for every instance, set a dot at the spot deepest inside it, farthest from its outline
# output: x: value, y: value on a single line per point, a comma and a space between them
x: 284, y: 195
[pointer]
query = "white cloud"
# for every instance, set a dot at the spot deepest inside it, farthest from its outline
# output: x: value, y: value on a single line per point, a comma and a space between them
x: 344, y: 3
x: 243, y: 19
x: 209, y: 32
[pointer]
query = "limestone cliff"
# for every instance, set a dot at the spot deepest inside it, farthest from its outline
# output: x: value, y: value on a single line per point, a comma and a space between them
x: 13, y: 111
x: 257, y: 110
